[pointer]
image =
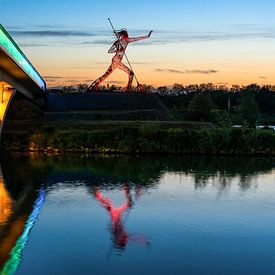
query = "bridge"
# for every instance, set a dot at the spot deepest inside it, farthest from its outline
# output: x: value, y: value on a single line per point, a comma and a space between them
x: 17, y: 75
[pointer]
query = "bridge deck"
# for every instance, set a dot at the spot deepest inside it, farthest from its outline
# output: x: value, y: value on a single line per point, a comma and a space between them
x: 17, y: 74
x: 16, y: 68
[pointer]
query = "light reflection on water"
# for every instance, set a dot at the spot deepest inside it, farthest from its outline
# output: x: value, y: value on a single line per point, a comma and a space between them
x: 139, y: 215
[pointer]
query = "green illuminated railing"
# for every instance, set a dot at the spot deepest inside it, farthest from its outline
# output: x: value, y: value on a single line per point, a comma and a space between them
x: 10, y: 47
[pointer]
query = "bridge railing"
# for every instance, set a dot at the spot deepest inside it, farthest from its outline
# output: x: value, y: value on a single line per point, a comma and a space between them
x: 8, y: 45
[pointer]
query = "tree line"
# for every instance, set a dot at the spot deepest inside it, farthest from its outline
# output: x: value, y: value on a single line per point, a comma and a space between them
x: 209, y: 102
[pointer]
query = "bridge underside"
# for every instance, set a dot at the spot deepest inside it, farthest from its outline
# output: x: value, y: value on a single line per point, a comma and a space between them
x: 14, y: 79
x: 12, y: 74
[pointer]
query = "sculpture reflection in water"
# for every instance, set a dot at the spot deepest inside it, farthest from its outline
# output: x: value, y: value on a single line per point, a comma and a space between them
x: 119, y: 233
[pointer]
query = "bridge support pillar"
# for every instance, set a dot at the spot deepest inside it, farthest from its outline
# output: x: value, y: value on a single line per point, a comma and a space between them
x: 5, y: 99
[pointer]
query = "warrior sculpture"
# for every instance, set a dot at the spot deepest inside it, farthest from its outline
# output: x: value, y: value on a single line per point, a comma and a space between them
x: 119, y: 48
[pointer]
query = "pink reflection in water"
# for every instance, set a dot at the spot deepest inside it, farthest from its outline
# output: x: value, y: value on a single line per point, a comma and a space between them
x: 120, y: 235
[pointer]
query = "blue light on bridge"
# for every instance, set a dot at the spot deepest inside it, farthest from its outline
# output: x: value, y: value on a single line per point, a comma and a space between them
x: 8, y: 45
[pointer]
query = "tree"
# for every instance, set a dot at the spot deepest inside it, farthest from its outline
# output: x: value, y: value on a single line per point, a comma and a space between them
x: 68, y: 89
x: 200, y: 108
x: 82, y: 88
x: 148, y: 88
x: 178, y: 89
x: 162, y: 90
x: 249, y: 107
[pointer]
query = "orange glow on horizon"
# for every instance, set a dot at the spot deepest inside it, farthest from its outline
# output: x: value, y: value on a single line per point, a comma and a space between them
x: 158, y: 79
x: 160, y: 66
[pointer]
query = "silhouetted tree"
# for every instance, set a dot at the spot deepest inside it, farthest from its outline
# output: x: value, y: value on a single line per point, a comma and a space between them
x: 162, y: 90
x: 200, y: 107
x: 148, y: 88
x: 68, y: 89
x: 249, y: 107
x: 82, y: 88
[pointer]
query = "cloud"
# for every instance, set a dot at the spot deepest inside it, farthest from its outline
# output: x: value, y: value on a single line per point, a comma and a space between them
x: 10, y: 27
x: 222, y: 83
x: 70, y: 82
x: 59, y: 81
x: 30, y: 45
x: 62, y: 77
x: 115, y: 82
x: 159, y: 37
x: 201, y: 71
x: 181, y: 37
x: 143, y: 63
x: 187, y: 71
x: 96, y: 42
x: 83, y: 67
x: 170, y: 71
x: 262, y: 77
x: 224, y: 36
x: 162, y: 38
x: 51, y: 33
x: 175, y: 71
x: 52, y: 77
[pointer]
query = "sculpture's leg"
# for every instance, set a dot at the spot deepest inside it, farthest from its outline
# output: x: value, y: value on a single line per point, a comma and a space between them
x: 109, y: 71
x: 130, y: 73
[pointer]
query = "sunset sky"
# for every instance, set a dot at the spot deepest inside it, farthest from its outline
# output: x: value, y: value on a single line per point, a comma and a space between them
x: 198, y: 41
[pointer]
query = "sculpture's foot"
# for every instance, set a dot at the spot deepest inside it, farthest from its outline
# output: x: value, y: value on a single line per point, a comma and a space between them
x: 93, y: 87
x: 140, y: 88
x: 128, y: 89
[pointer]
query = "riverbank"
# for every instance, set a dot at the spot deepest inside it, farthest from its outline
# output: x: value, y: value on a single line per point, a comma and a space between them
x: 140, y: 138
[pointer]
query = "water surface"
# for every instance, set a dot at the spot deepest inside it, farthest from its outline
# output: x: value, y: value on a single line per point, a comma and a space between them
x: 137, y: 215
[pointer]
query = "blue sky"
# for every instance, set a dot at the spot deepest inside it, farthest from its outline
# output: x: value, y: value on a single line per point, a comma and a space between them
x: 159, y: 14
x: 194, y: 41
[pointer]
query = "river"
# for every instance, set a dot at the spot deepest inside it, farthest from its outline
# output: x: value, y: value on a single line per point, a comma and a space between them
x: 76, y: 214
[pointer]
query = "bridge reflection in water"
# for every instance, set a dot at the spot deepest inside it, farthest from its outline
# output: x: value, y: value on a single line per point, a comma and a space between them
x: 15, y: 254
x: 17, y: 217
x: 6, y: 203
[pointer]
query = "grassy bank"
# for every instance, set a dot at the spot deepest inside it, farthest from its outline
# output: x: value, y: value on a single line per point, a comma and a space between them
x: 145, y: 138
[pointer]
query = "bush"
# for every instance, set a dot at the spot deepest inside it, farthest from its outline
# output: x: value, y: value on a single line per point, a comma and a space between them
x: 149, y: 128
x: 152, y: 139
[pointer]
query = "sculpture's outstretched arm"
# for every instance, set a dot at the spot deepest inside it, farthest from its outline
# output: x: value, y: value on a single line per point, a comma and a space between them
x: 105, y: 202
x: 135, y: 39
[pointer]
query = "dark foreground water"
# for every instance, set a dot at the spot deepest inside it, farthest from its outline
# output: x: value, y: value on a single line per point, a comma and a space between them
x: 137, y: 215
